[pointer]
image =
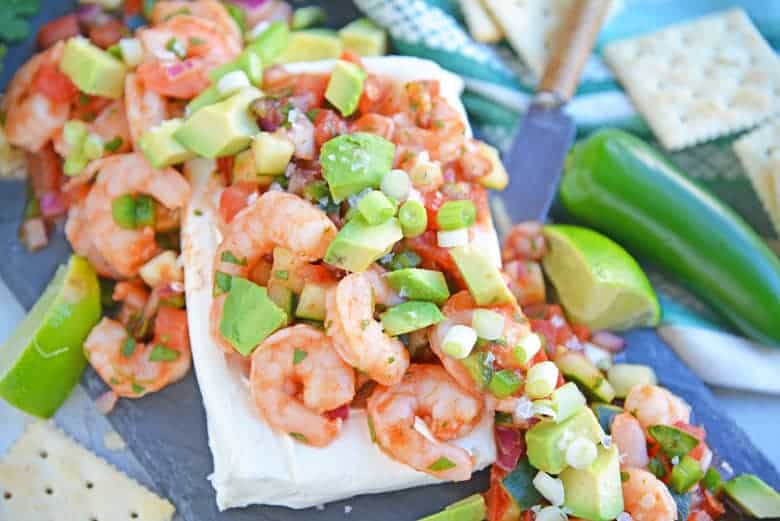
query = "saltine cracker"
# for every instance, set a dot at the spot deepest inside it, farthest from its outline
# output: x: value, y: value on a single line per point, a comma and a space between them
x: 759, y: 153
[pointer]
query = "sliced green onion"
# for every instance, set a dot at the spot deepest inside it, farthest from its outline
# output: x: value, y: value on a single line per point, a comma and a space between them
x: 403, y: 260
x: 161, y: 353
x: 567, y: 401
x: 123, y: 211
x: 480, y: 367
x: 505, y: 383
x: 396, y: 184
x: 541, y: 380
x: 488, y: 324
x: 459, y: 341
x: 132, y: 51
x: 527, y: 347
x: 454, y: 215
x: 237, y: 14
x: 375, y: 207
x: 413, y: 218
x: 74, y: 164
x: 549, y: 487
x: 543, y: 409
x: 93, y: 147
x: 550, y: 514
x: 74, y: 133
x: 144, y: 211
x: 452, y: 238
x: 581, y: 453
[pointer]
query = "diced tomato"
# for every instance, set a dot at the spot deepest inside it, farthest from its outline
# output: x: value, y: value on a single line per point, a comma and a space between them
x: 420, y: 100
x: 86, y: 108
x: 499, y: 502
x: 58, y: 29
x: 711, y: 504
x: 374, y: 91
x: 133, y: 7
x: 472, y: 165
x: 375, y: 124
x: 328, y: 125
x: 433, y: 202
x: 699, y: 515
x: 526, y: 281
x: 225, y: 167
x: 317, y: 274
x: 107, y: 34
x: 353, y: 57
x: 700, y: 434
x: 45, y: 169
x: 433, y: 256
x: 525, y: 241
x: 550, y: 322
x: 310, y: 89
x: 341, y: 413
x: 53, y: 84
x: 170, y: 328
x: 581, y: 331
x: 234, y: 199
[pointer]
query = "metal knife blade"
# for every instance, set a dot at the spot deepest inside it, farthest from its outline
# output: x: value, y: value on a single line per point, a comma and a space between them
x: 534, y: 162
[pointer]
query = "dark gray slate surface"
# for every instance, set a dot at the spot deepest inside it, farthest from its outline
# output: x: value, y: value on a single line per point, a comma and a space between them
x: 166, y: 431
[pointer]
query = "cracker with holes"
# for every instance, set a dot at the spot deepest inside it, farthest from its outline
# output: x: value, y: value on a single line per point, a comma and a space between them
x: 47, y: 476
x: 699, y: 80
x: 759, y: 153
x: 530, y: 26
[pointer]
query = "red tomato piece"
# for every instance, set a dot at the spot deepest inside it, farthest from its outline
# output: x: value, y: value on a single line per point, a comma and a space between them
x: 58, y: 29
x: 351, y: 56
x: 310, y: 90
x: 133, y: 7
x: 225, y: 167
x: 234, y: 199
x: 107, y: 34
x: 375, y: 124
x: 53, y: 84
x: 45, y: 168
x: 374, y: 91
x: 328, y: 125
x: 420, y: 96
x: 170, y: 328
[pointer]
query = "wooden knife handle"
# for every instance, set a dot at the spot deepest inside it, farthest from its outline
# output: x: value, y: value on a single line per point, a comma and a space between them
x: 573, y: 43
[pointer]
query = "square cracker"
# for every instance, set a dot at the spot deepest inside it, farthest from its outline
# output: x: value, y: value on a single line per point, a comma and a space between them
x: 48, y: 477
x: 481, y: 25
x: 759, y: 153
x: 699, y: 80
x: 530, y: 26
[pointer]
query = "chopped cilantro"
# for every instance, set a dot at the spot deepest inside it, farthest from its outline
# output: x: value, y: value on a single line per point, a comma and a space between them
x: 312, y: 114
x: 441, y: 464
x: 282, y: 274
x: 656, y: 467
x: 160, y: 353
x: 364, y: 324
x: 298, y: 436
x: 299, y: 355
x: 237, y: 14
x: 198, y: 212
x: 128, y: 348
x: 229, y: 257
x: 138, y: 389
x: 371, y: 430
x: 624, y: 476
x: 194, y: 40
x: 222, y: 283
x: 114, y: 144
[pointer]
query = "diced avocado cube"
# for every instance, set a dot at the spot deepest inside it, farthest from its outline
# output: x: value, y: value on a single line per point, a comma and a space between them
x: 485, y: 282
x: 247, y: 62
x: 308, y: 16
x: 208, y: 97
x: 755, y: 496
x: 221, y: 129
x: 310, y: 45
x: 271, y: 42
x: 311, y: 303
x: 419, y: 284
x: 92, y: 69
x: 345, y: 87
x: 498, y: 177
x: 364, y: 37
x: 358, y: 244
x: 283, y: 297
x: 375, y: 207
x: 159, y: 146
x: 286, y: 269
x: 685, y: 475
x: 354, y: 162
x: 545, y: 450
x: 589, y: 379
x: 519, y: 485
x: 272, y: 152
x: 480, y: 368
x: 504, y: 383
x: 249, y: 316
x: 245, y: 171
x: 595, y: 493
x: 472, y: 508
x: 410, y: 316
x: 605, y: 414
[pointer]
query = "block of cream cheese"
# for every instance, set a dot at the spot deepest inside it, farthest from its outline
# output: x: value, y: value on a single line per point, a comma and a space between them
x: 253, y: 463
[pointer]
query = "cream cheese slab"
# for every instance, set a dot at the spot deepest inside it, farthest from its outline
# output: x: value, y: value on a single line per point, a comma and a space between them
x: 252, y: 463
x: 699, y: 80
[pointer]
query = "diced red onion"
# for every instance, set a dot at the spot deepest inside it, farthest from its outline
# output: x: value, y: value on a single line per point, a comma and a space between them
x: 105, y: 402
x: 88, y: 13
x: 52, y: 204
x: 33, y: 234
x: 178, y: 68
x: 250, y: 4
x: 341, y: 413
x: 608, y: 341
x: 510, y: 448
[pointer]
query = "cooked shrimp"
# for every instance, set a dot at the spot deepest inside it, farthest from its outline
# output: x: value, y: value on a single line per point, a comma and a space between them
x: 449, y: 411
x: 144, y: 108
x: 76, y: 230
x: 646, y: 497
x: 459, y: 310
x: 125, y: 250
x: 357, y: 336
x: 33, y: 118
x: 630, y: 439
x: 109, y: 125
x: 145, y: 368
x: 205, y: 9
x: 654, y: 405
x: 204, y: 43
x: 296, y: 377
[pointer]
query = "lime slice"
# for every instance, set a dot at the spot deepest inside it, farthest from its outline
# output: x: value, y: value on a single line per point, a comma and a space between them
x: 43, y: 359
x: 598, y: 283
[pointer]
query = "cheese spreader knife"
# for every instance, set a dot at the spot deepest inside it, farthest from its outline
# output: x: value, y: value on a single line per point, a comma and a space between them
x: 546, y: 132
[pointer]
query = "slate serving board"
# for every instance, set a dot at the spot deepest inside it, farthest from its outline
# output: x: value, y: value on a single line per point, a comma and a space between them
x: 166, y: 431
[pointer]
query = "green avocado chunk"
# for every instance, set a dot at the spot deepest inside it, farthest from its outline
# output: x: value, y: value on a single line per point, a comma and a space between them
x: 249, y: 316
x: 309, y: 45
x: 575, y: 367
x: 755, y: 496
x: 271, y: 42
x: 484, y: 279
x: 364, y: 37
x: 410, y: 316
x: 472, y: 508
x: 311, y: 303
x: 92, y: 69
x: 595, y: 493
x: 358, y: 244
x: 248, y: 62
x: 345, y: 87
x: 419, y: 284
x: 159, y: 146
x: 354, y: 162
x: 221, y: 129
x: 545, y: 450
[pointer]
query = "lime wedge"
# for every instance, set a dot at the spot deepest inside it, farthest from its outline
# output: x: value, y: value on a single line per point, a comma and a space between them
x: 598, y: 283
x: 43, y: 359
